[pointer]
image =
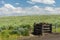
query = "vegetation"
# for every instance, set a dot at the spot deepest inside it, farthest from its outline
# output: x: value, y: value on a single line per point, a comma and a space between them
x: 15, y: 26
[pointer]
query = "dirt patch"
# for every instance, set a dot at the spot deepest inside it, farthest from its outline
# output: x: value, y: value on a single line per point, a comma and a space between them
x: 53, y: 36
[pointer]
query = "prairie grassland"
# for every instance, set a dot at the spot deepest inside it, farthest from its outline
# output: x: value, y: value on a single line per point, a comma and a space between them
x: 15, y: 23
x: 4, y: 21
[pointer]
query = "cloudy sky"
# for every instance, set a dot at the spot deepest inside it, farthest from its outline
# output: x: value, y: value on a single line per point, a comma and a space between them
x: 29, y: 7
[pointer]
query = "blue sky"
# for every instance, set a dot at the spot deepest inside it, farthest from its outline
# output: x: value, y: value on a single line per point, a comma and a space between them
x: 24, y: 3
x: 29, y: 7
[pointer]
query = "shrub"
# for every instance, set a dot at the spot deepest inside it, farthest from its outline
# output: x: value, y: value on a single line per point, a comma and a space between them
x: 20, y: 30
x: 16, y: 28
x: 25, y: 26
x: 4, y: 34
x: 13, y: 32
x: 0, y: 29
x: 23, y: 31
x: 10, y: 27
x: 3, y: 28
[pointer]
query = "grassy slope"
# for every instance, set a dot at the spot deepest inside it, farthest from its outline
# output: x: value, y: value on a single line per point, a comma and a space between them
x: 28, y: 19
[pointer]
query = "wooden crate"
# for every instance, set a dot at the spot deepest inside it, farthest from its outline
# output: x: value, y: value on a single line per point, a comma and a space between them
x: 40, y: 28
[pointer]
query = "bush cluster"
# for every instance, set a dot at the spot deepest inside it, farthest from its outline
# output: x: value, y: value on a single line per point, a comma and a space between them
x: 19, y: 30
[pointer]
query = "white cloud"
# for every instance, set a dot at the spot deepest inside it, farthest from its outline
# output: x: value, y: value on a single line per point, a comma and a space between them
x: 34, y: 10
x: 43, y: 11
x: 53, y: 10
x: 9, y: 9
x: 36, y: 7
x: 49, y: 9
x: 30, y: 2
x: 9, y: 6
x: 57, y: 10
x: 44, y: 1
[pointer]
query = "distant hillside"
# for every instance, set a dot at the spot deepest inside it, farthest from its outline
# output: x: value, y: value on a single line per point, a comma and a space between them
x: 17, y: 20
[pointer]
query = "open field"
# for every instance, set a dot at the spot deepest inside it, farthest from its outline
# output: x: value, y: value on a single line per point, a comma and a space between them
x: 10, y: 27
x: 29, y: 19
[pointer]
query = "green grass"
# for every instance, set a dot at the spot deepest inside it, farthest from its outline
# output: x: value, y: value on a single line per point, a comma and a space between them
x: 28, y: 20
x: 20, y: 21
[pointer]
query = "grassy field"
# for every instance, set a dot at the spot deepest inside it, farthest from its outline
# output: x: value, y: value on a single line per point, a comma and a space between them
x: 29, y: 19
x: 19, y: 21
